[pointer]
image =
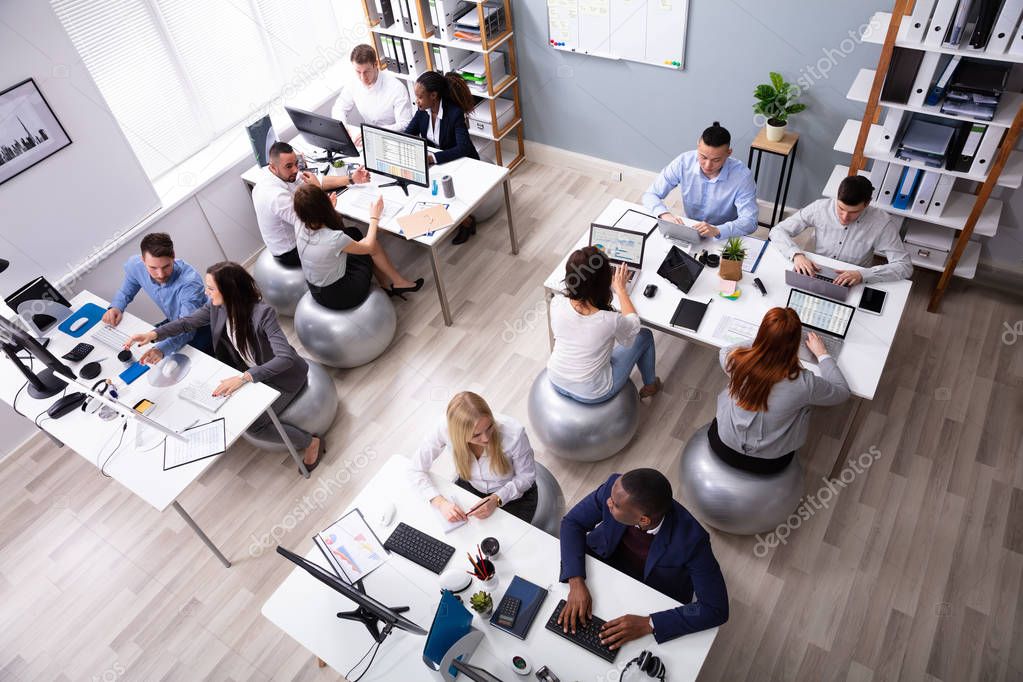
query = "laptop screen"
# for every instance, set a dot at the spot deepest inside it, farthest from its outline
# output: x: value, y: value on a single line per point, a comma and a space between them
x: 621, y: 246
x: 821, y: 314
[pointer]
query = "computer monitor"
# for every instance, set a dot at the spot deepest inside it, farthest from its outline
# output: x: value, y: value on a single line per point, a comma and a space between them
x: 370, y: 611
x: 46, y: 383
x: 324, y: 132
x: 395, y: 155
x: 619, y: 244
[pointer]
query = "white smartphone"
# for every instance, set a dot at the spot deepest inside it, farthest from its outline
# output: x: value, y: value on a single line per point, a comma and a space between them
x: 872, y: 300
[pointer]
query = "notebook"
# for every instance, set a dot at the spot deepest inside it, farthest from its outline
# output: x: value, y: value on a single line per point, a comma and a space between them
x: 689, y: 314
x: 532, y: 597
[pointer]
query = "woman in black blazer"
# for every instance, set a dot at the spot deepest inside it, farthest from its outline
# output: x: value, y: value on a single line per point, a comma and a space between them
x: 444, y: 103
x: 247, y: 336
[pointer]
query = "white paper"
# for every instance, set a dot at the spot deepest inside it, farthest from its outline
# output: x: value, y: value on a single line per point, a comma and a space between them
x: 200, y: 442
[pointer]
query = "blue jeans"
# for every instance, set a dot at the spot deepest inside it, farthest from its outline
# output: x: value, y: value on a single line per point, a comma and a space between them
x: 623, y: 359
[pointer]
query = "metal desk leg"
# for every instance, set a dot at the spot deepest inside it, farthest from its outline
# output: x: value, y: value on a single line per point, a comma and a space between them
x: 511, y: 225
x: 756, y: 172
x: 859, y: 415
x: 788, y: 180
x: 777, y: 194
x: 287, y: 442
x: 549, y: 296
x: 441, y: 293
x: 202, y: 535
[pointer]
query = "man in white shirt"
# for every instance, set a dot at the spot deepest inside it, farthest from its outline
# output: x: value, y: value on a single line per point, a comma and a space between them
x: 273, y: 199
x: 376, y: 96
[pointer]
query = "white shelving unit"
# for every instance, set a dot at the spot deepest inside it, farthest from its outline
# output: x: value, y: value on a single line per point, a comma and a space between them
x: 877, y: 28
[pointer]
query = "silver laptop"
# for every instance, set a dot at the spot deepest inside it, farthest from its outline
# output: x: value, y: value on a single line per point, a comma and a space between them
x: 822, y: 283
x: 830, y: 319
x: 678, y: 233
x: 620, y: 246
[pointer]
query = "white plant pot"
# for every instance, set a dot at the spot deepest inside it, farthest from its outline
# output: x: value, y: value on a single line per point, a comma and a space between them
x: 774, y: 133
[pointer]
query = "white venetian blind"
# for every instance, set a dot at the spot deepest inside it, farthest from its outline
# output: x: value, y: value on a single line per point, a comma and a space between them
x: 179, y: 73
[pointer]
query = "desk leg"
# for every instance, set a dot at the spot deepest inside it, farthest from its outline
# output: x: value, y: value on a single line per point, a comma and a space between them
x: 788, y: 180
x: 442, y: 294
x: 777, y: 195
x: 202, y: 535
x: 859, y: 415
x: 511, y: 225
x: 287, y: 442
x: 549, y: 295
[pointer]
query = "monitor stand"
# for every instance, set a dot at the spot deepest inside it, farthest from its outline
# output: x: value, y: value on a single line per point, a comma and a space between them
x: 397, y: 183
x: 366, y: 617
x: 45, y: 384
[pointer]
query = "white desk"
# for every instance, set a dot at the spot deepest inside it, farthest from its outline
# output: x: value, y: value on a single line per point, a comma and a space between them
x: 473, y: 181
x: 305, y: 608
x: 141, y: 472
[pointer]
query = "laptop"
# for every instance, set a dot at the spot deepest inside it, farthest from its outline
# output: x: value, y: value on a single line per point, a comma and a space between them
x: 678, y: 233
x: 642, y: 222
x: 828, y: 318
x: 822, y: 283
x: 620, y: 245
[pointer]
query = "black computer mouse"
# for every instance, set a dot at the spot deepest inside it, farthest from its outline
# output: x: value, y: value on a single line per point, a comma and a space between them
x: 124, y: 355
x: 650, y: 290
x: 89, y: 370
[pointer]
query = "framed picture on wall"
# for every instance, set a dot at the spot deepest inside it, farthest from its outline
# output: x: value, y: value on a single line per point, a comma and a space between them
x: 29, y: 130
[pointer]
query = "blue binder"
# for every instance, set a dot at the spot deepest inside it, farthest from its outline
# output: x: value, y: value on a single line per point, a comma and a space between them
x: 532, y: 597
x: 908, y: 184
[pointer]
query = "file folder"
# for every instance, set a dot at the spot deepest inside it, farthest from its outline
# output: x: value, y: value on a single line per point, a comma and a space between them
x: 406, y: 15
x: 399, y: 53
x: 927, y: 137
x: 877, y: 173
x: 944, y: 12
x: 1005, y: 26
x: 925, y: 75
x: 922, y: 200
x: 958, y: 24
x: 939, y: 87
x: 919, y: 20
x: 986, y: 15
x: 386, y: 14
x: 908, y: 184
x: 964, y: 160
x: 941, y: 195
x: 901, y: 73
x: 987, y: 151
x: 891, y: 183
x: 892, y: 126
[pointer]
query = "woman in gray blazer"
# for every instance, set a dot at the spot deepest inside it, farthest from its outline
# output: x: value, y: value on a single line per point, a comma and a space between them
x: 247, y: 336
x: 764, y: 414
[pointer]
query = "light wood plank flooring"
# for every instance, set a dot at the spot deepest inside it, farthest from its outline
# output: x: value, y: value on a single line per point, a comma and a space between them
x: 913, y: 571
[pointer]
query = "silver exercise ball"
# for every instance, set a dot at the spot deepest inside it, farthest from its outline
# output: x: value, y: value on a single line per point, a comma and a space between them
x: 550, y: 504
x: 282, y: 287
x: 581, y: 432
x: 346, y: 338
x: 491, y: 204
x: 313, y: 410
x: 732, y: 500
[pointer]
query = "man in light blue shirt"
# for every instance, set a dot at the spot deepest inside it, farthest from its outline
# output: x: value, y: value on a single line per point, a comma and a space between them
x: 717, y: 190
x: 175, y: 287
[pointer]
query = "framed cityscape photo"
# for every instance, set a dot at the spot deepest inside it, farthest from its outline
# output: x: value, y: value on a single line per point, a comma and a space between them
x: 29, y: 130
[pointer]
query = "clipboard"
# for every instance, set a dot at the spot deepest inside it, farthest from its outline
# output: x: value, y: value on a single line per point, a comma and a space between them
x: 350, y: 547
x: 751, y: 261
x: 428, y: 220
x: 217, y: 446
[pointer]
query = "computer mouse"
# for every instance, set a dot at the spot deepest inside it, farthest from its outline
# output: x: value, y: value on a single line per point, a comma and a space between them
x: 78, y: 324
x: 384, y: 513
x: 169, y: 367
x: 650, y: 290
x: 124, y: 355
x: 89, y: 370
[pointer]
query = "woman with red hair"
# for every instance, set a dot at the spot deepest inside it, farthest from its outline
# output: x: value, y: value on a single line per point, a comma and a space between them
x: 764, y: 414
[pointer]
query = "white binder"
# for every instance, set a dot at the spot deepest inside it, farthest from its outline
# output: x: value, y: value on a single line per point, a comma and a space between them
x: 924, y: 77
x: 925, y: 191
x: 1003, y: 30
x: 877, y: 173
x: 890, y: 184
x: 918, y: 21
x: 941, y: 194
x: 944, y: 12
x: 1016, y: 46
x: 892, y: 124
x: 986, y: 152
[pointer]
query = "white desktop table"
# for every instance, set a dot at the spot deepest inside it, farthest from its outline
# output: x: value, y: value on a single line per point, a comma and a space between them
x: 306, y: 609
x: 473, y: 181
x: 140, y: 471
x: 866, y: 345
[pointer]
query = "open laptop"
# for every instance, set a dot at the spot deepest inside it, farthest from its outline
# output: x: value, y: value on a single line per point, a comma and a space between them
x: 642, y: 222
x: 828, y: 318
x: 621, y: 246
x: 822, y: 283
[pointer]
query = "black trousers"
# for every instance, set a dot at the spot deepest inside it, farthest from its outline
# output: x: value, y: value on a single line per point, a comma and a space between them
x: 739, y: 460
x: 289, y: 259
x: 523, y: 508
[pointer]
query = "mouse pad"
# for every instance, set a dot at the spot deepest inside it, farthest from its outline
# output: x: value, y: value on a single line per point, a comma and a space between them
x: 136, y: 370
x: 171, y: 370
x: 90, y: 311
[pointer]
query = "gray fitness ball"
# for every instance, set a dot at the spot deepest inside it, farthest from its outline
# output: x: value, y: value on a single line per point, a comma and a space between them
x: 580, y: 432
x: 282, y: 287
x: 733, y: 500
x: 346, y: 338
x: 313, y: 410
x: 550, y: 504
x: 491, y: 204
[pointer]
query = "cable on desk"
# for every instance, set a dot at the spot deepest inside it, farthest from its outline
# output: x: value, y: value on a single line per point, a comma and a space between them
x: 374, y: 648
x: 102, y: 468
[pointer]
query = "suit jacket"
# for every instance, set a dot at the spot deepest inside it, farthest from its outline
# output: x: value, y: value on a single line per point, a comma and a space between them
x: 277, y: 363
x: 454, y: 139
x: 680, y: 561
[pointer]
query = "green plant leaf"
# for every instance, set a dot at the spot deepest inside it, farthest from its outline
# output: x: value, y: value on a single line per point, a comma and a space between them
x: 777, y: 81
x: 764, y: 92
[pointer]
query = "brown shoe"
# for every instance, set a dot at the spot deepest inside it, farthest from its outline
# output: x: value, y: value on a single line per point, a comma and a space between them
x: 651, y: 391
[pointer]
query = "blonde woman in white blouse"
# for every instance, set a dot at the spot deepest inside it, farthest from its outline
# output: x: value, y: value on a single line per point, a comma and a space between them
x: 493, y: 458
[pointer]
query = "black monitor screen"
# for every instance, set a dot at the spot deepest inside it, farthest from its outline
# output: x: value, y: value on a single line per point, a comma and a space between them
x: 324, y: 132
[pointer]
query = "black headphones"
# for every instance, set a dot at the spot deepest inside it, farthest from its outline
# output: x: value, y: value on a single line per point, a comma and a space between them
x: 647, y: 663
x: 92, y: 406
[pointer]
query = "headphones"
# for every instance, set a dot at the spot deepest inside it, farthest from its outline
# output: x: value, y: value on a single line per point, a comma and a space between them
x: 92, y: 406
x: 647, y: 663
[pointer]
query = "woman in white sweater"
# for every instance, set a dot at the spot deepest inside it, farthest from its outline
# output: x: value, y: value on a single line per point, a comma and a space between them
x: 595, y: 346
x: 493, y: 458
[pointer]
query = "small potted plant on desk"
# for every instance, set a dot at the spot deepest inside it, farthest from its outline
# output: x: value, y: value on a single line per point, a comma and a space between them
x: 482, y: 604
x: 776, y: 101
x: 732, y: 255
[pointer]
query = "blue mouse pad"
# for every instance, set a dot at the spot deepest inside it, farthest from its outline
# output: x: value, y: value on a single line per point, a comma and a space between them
x: 90, y: 312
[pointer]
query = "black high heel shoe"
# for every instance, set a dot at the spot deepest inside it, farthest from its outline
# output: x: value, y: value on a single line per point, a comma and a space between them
x: 321, y: 451
x: 400, y: 292
x: 465, y: 230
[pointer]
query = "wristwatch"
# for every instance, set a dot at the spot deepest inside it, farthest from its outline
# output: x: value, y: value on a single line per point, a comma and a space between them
x: 350, y: 175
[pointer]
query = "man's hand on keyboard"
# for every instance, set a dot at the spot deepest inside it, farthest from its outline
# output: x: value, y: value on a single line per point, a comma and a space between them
x: 624, y: 629
x: 112, y: 317
x: 816, y: 346
x: 578, y: 605
x: 804, y: 265
x: 140, y: 339
x: 848, y: 278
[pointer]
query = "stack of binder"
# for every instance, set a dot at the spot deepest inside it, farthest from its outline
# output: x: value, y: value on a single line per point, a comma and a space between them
x: 912, y: 190
x: 987, y: 25
x: 926, y: 142
x: 976, y: 89
x: 467, y: 21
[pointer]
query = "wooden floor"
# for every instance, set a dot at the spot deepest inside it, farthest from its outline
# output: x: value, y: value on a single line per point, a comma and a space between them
x: 913, y: 571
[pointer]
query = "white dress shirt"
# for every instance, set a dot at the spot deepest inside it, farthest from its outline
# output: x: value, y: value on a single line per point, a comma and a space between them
x: 509, y: 487
x: 386, y: 103
x: 274, y: 202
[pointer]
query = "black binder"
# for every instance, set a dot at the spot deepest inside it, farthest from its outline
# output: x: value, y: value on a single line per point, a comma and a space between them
x: 898, y: 83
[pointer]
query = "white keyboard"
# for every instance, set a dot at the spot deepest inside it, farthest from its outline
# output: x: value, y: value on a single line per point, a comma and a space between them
x: 201, y: 393
x: 110, y: 336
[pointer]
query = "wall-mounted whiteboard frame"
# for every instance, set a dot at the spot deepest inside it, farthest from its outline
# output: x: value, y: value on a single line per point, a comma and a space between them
x: 646, y: 31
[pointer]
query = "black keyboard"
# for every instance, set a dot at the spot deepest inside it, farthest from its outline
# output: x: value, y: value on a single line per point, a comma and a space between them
x: 587, y: 636
x: 78, y: 353
x: 420, y: 548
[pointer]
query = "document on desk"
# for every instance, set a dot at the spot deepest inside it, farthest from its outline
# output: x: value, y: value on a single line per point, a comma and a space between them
x: 202, y: 441
x: 754, y: 251
x: 733, y: 330
x: 351, y: 547
x: 364, y: 198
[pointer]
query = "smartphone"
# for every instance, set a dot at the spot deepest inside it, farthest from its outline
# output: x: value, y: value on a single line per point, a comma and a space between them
x: 872, y: 300
x: 144, y: 406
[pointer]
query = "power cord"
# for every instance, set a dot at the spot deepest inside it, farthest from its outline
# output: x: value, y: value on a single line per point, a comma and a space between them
x: 120, y: 441
x: 374, y: 648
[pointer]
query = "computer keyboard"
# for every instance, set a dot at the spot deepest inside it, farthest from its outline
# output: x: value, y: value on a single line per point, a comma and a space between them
x: 587, y: 636
x: 201, y: 393
x: 419, y: 548
x: 110, y: 336
x: 834, y: 346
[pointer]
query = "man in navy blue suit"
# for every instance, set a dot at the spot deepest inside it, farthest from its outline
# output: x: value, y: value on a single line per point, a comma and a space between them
x: 633, y: 524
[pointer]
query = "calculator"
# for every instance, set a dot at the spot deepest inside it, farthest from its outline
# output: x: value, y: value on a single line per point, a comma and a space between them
x: 78, y: 353
x: 507, y: 610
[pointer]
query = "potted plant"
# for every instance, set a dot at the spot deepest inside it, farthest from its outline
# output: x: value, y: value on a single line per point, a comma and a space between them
x: 482, y: 604
x: 732, y: 255
x: 776, y: 101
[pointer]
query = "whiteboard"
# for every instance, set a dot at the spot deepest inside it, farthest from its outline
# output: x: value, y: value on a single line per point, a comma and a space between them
x: 647, y: 31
